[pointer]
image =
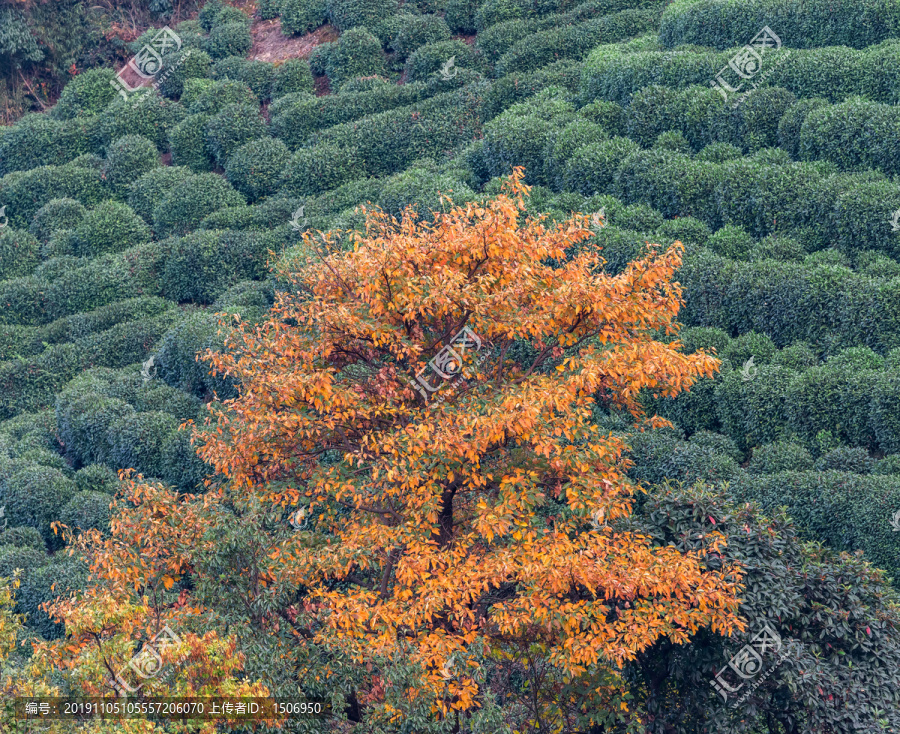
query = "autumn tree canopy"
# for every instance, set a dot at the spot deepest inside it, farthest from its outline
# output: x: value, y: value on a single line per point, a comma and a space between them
x: 422, y: 402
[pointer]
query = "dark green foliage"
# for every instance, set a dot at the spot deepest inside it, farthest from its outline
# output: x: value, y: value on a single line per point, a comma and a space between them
x: 201, y: 265
x: 718, y: 152
x: 592, y: 168
x: 151, y: 116
x: 672, y: 140
x: 322, y: 167
x: 235, y: 125
x: 723, y: 24
x: 60, y: 576
x: 87, y: 511
x: 257, y: 75
x: 96, y: 478
x: 885, y: 412
x: 127, y: 159
x: 780, y: 456
x: 39, y: 140
x: 460, y: 15
x: 751, y: 411
x: 299, y: 119
x: 562, y: 145
x: 513, y: 88
x: 187, y: 141
x: 179, y: 66
x: 496, y: 11
x: 33, y: 496
x: 421, y: 189
x: 22, y: 537
x: 177, y: 362
x: 689, y: 231
x: 208, y: 13
x: 220, y: 95
x: 609, y: 115
x: 302, y: 16
x: 712, y: 340
x: 751, y: 344
x: 732, y: 242
x: 184, y: 205
x: 429, y: 59
x: 419, y: 30
x: 356, y: 53
x: 136, y: 441
x: 20, y: 253
x: 292, y: 76
x: 230, y: 39
x: 23, y: 193
x: 847, y: 511
x: 791, y: 124
x: 786, y: 584
x: 86, y: 94
x: 760, y: 115
x: 152, y: 187
x: 390, y: 141
x: 27, y: 560
x: 346, y: 14
x: 110, y: 227
x: 847, y: 459
x: 256, y: 167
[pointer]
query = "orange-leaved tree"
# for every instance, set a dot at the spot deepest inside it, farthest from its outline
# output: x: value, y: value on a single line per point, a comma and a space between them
x: 460, y: 493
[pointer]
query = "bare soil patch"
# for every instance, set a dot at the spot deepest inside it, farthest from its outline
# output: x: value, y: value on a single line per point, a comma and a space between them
x: 270, y: 45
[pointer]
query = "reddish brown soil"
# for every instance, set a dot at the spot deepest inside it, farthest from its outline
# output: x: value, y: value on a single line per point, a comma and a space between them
x: 270, y: 45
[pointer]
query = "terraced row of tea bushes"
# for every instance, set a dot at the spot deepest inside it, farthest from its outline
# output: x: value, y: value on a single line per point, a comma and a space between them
x: 728, y: 23
x: 615, y: 72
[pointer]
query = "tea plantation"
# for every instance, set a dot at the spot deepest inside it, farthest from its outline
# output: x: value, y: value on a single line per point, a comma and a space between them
x: 138, y: 225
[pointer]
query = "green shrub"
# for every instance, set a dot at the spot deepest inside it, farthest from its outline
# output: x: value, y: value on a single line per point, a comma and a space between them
x: 562, y: 145
x: 885, y: 412
x: 432, y: 57
x: 55, y: 215
x: 709, y: 339
x: 887, y: 465
x: 419, y: 30
x: 22, y: 537
x: 203, y: 264
x: 849, y: 512
x: 255, y: 168
x: 268, y: 9
x: 775, y: 247
x: 110, y: 227
x: 672, y: 140
x: 220, y: 95
x: 592, y: 168
x: 182, y: 468
x: 34, y: 496
x: 188, y: 143
x: 421, y: 189
x: 845, y: 458
x: 460, y: 15
x: 751, y: 411
x: 193, y: 88
x: 87, y: 511
x: 127, y: 159
x: 313, y: 170
x: 58, y: 578
x: 151, y: 116
x: 179, y: 66
x: 230, y: 39
x: 731, y: 242
x: 491, y: 12
x: 791, y: 123
x: 231, y: 128
x: 292, y: 76
x: 39, y: 140
x: 87, y: 94
x: 96, y: 478
x: 151, y: 188
x: 346, y: 14
x: 136, y: 441
x: 513, y: 88
x: 780, y: 456
x: 798, y: 356
x: 718, y: 153
x: 356, y: 53
x: 725, y: 25
x: 302, y: 16
x: 26, y: 559
x: 228, y: 15
x: 25, y: 192
x: 20, y: 253
x: 184, y: 205
x: 257, y: 75
x: 177, y: 362
x: 208, y: 13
